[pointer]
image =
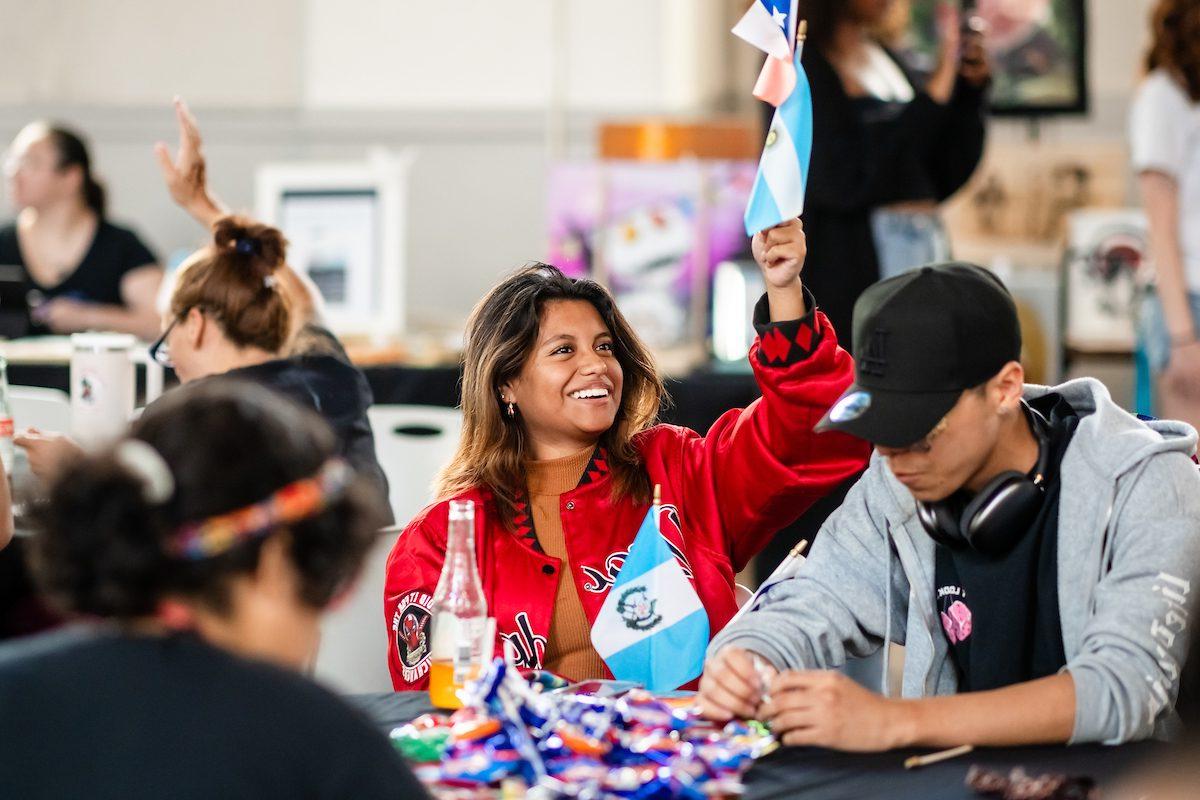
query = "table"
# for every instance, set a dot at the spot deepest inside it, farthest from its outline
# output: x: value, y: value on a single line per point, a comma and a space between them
x: 816, y: 774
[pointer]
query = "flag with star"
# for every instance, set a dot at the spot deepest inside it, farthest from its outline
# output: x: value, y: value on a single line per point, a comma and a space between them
x: 778, y: 192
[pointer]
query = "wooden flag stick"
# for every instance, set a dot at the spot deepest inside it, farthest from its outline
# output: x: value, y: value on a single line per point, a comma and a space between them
x: 942, y: 755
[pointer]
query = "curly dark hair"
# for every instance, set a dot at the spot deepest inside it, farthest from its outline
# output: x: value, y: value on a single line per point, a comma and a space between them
x: 1175, y: 43
x: 101, y: 549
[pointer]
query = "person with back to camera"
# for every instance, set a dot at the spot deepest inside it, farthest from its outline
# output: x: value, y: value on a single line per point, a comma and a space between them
x: 199, y: 552
x: 229, y: 319
x: 1164, y: 128
x: 560, y: 453
x: 887, y: 148
x: 81, y: 271
x: 1035, y: 549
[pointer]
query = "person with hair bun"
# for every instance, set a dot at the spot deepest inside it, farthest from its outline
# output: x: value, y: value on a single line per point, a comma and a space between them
x: 229, y: 318
x: 81, y: 271
x: 200, y: 574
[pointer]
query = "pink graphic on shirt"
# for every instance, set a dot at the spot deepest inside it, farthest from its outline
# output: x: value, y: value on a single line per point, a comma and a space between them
x: 957, y: 621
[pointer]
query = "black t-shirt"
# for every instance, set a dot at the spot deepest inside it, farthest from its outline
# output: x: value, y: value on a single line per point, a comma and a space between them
x: 99, y: 714
x: 114, y: 251
x: 1000, y: 612
x: 335, y: 389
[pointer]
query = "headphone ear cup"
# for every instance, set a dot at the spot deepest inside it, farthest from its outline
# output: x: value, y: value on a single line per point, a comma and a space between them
x: 1001, y: 513
x: 941, y: 523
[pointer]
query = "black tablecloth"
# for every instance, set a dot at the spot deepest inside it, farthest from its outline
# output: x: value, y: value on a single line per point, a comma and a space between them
x: 816, y: 774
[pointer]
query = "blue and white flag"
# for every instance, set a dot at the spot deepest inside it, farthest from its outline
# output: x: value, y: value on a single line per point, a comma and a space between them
x: 652, y: 627
x: 778, y: 192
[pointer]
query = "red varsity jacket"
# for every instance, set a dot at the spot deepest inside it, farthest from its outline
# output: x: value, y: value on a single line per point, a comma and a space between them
x: 723, y: 496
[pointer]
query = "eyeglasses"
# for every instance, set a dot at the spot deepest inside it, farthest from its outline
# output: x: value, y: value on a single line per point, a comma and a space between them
x: 925, y: 444
x: 160, y: 351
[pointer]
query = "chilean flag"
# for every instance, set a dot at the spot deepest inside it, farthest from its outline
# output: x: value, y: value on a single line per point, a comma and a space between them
x: 778, y: 194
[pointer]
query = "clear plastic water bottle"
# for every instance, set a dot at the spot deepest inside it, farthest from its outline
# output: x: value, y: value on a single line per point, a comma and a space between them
x: 460, y: 624
x: 7, y: 454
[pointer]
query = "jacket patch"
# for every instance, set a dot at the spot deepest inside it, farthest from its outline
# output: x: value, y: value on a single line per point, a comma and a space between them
x: 410, y: 630
x: 529, y: 647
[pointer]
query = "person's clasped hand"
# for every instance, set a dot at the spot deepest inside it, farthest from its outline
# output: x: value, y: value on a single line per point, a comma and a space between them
x: 821, y: 708
x: 780, y: 252
x: 48, y: 452
x: 65, y: 315
x: 732, y: 686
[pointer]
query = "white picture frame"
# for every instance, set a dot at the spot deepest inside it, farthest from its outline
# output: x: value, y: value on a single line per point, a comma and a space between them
x: 346, y: 224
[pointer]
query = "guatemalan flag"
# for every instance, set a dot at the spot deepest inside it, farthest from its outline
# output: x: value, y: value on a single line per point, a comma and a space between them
x: 652, y: 627
x: 778, y: 194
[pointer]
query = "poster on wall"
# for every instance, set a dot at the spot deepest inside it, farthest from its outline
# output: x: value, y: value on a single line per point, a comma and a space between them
x: 1037, y: 50
x: 653, y: 232
x: 1105, y: 266
x: 345, y: 226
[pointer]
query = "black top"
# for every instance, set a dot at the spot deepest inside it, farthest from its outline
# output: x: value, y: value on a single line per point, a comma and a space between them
x: 337, y: 391
x: 1000, y: 613
x: 114, y: 251
x: 98, y: 714
x: 919, y: 150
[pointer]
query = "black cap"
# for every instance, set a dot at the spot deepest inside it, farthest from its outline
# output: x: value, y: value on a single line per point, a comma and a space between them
x: 920, y: 339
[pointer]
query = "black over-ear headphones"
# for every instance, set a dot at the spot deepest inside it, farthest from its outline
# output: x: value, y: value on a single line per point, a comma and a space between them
x: 1001, y: 512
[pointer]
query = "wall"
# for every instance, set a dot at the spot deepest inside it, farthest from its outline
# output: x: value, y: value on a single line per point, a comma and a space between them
x: 467, y: 84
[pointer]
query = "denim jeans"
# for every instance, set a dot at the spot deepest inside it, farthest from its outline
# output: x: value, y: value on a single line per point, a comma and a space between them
x: 1152, y: 328
x: 904, y: 240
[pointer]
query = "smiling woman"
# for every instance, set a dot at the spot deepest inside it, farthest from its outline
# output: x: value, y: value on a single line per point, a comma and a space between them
x: 560, y: 453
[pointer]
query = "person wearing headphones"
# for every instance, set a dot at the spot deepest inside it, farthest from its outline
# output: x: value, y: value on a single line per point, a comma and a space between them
x: 1033, y: 548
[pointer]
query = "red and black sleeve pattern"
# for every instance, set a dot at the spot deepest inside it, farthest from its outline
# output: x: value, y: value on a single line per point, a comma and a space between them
x: 787, y: 342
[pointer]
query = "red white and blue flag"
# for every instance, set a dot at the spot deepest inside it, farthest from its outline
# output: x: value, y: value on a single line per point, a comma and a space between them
x: 778, y: 194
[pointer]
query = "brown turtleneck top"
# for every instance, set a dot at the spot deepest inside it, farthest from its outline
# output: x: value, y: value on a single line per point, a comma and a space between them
x: 569, y: 650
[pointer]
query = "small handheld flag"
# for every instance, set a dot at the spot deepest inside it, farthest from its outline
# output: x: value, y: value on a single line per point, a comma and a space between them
x: 779, y: 187
x: 652, y: 627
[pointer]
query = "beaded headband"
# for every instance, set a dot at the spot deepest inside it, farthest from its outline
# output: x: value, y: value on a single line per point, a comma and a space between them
x: 299, y: 500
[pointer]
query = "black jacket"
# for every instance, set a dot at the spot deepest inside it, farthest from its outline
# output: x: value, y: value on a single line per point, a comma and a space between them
x: 336, y: 390
x: 927, y: 152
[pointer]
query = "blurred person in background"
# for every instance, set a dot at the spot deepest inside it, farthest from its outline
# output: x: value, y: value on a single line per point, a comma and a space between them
x: 200, y: 553
x: 230, y: 319
x: 888, y: 148
x: 81, y: 272
x: 1164, y: 130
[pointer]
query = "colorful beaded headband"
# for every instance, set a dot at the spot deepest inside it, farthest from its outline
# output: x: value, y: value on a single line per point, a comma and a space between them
x: 296, y: 501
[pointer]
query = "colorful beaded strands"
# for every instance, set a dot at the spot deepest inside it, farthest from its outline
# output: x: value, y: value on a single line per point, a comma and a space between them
x: 296, y: 501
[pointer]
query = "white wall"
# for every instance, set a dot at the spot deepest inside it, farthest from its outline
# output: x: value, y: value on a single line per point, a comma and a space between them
x: 619, y: 55
x: 236, y: 53
x: 467, y: 83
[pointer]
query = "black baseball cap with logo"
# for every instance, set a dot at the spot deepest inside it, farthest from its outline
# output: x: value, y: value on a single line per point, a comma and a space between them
x: 920, y: 339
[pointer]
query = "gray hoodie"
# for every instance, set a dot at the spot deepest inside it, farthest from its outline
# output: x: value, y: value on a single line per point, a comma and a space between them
x: 1128, y: 552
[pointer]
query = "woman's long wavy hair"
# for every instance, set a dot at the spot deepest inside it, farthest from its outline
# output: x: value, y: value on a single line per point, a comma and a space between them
x: 500, y: 337
x: 1175, y: 43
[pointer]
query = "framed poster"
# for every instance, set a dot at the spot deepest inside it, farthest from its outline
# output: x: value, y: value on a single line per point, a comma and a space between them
x: 1104, y: 264
x: 653, y: 232
x: 345, y: 226
x: 1038, y: 51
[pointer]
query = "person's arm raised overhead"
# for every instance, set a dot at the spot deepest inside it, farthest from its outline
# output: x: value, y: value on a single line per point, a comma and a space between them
x: 763, y: 466
x: 186, y: 175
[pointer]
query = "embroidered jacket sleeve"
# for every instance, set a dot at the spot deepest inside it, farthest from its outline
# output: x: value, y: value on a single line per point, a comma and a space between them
x: 763, y: 465
x: 413, y: 568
